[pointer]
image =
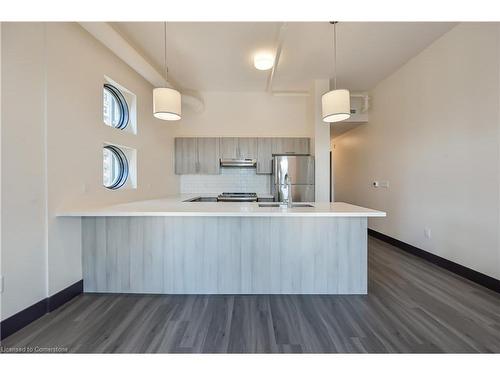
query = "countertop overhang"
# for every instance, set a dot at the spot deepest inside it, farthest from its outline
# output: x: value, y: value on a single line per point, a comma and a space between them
x: 175, y: 206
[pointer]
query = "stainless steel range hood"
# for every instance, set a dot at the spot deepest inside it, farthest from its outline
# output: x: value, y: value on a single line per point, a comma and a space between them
x: 242, y: 163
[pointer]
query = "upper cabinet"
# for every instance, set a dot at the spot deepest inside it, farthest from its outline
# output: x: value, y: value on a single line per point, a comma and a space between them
x: 201, y: 155
x: 238, y: 148
x: 228, y: 148
x: 290, y: 146
x: 197, y: 155
x: 247, y: 148
x: 186, y: 156
x: 208, y: 156
x: 265, y: 156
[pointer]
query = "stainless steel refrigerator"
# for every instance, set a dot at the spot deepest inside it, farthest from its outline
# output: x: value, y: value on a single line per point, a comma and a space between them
x: 300, y: 170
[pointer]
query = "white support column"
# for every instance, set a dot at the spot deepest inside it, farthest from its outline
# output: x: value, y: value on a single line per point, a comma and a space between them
x: 321, y: 144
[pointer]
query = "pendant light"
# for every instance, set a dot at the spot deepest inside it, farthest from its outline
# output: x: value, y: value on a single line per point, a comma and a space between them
x: 335, y: 104
x: 166, y: 101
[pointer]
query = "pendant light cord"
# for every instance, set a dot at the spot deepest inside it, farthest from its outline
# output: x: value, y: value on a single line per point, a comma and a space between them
x: 165, y: 50
x: 334, y: 55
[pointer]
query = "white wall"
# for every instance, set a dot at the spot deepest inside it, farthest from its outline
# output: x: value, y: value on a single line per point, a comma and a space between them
x: 153, y: 142
x: 434, y: 135
x: 247, y: 114
x: 24, y: 254
x: 321, y: 144
x: 58, y: 69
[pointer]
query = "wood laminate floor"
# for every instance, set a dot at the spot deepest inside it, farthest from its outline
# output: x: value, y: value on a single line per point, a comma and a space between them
x: 412, y: 307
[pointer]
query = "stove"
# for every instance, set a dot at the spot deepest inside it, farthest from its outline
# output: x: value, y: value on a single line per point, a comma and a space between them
x: 237, y: 197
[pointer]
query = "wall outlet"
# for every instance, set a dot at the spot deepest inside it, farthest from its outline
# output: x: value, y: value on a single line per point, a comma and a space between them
x: 428, y: 233
x: 1, y: 284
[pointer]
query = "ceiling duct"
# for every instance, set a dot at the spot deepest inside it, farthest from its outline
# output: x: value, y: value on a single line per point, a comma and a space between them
x: 113, y: 40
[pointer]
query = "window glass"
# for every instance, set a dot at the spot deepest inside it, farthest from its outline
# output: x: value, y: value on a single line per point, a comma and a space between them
x: 114, y: 167
x: 114, y: 108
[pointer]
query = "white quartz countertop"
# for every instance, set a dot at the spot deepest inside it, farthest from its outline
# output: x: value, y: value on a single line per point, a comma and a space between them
x: 175, y: 206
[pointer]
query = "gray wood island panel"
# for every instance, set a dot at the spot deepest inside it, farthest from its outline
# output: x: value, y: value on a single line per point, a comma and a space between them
x: 225, y: 255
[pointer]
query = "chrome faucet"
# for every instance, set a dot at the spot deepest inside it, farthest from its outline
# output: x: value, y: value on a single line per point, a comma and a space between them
x: 288, y: 199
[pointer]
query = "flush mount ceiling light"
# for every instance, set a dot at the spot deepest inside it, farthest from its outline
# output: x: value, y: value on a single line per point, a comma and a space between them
x: 166, y: 101
x: 335, y: 104
x: 263, y: 61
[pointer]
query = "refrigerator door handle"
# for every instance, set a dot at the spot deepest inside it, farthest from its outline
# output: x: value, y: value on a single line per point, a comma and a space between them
x: 277, y: 175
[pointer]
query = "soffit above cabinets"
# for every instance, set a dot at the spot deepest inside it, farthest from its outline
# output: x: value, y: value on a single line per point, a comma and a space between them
x: 218, y: 56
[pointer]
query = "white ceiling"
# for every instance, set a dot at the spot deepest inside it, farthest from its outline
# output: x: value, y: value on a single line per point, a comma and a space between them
x: 217, y: 56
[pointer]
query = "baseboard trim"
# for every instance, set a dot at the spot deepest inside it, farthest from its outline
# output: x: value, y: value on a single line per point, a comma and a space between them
x: 22, y: 319
x: 468, y: 273
x: 65, y: 295
x: 39, y: 309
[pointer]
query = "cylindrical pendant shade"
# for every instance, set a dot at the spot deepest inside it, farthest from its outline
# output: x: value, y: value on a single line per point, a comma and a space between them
x: 166, y: 104
x: 336, y: 105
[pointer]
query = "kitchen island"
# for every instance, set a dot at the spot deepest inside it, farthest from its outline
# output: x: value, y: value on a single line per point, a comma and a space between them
x: 174, y: 247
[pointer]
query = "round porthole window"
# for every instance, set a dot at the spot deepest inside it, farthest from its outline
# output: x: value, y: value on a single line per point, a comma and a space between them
x: 115, y: 167
x: 115, y: 107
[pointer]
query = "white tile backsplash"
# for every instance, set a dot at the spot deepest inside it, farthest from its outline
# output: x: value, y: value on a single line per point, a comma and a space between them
x: 239, y: 180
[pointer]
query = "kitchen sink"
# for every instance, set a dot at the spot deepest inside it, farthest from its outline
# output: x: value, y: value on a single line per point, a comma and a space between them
x: 302, y: 205
x: 202, y: 199
x: 294, y: 205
